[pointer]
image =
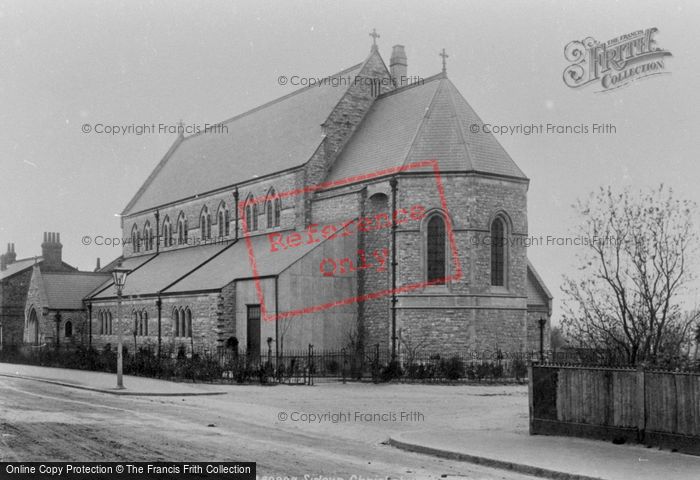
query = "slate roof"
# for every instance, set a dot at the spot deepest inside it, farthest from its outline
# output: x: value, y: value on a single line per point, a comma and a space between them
x: 235, y: 264
x: 66, y: 290
x: 161, y: 270
x: 423, y: 121
x: 132, y: 263
x: 18, y: 266
x: 276, y: 136
x: 205, y: 268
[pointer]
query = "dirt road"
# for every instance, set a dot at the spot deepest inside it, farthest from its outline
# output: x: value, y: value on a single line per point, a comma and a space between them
x: 42, y: 422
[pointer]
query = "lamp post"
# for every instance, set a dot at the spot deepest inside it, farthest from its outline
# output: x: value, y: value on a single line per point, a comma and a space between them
x: 119, y: 275
x: 542, y: 323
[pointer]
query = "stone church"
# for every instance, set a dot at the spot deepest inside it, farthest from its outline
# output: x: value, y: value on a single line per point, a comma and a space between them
x: 357, y: 212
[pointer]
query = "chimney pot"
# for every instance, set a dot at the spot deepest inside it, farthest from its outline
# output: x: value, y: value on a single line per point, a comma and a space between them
x: 398, y: 66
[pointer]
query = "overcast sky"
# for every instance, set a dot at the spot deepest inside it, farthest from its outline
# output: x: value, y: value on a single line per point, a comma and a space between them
x: 63, y: 64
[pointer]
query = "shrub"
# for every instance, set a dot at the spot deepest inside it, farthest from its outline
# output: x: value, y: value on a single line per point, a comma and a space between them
x: 391, y: 371
x: 451, y: 368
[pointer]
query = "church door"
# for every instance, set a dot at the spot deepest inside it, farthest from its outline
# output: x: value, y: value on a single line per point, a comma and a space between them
x: 253, y: 343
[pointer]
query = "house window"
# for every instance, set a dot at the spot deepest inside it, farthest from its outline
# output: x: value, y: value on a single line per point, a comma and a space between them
x: 436, y: 250
x: 498, y: 241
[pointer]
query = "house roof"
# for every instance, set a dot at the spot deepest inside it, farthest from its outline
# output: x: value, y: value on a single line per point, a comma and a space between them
x: 276, y: 136
x: 427, y: 120
x: 19, y: 266
x: 66, y: 290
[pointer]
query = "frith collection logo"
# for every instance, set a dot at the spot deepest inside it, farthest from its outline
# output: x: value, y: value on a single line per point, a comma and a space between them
x: 615, y: 63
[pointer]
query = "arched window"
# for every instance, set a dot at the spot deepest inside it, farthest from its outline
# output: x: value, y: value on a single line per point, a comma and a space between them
x: 272, y: 209
x: 176, y: 322
x: 182, y: 229
x: 135, y: 239
x: 251, y: 214
x: 436, y: 250
x: 109, y: 323
x: 188, y: 323
x: 33, y: 327
x: 68, y: 329
x: 223, y: 220
x: 137, y: 321
x: 205, y: 224
x: 278, y: 211
x: 147, y: 236
x: 167, y: 232
x: 144, y: 323
x: 498, y: 245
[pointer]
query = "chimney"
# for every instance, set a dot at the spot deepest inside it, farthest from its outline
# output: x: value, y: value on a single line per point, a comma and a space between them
x: 97, y: 267
x: 10, y: 256
x: 398, y: 66
x: 51, y: 250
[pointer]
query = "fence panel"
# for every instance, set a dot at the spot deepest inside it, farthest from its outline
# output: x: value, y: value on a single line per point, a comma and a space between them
x: 656, y: 407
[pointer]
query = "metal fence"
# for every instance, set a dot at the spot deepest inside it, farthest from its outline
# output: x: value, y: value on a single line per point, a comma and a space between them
x: 294, y: 367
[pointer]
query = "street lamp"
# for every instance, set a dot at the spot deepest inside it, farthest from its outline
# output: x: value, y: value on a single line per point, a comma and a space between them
x: 119, y: 275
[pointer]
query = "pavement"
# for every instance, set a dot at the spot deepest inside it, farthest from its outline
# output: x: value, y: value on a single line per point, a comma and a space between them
x: 106, y: 382
x: 551, y: 457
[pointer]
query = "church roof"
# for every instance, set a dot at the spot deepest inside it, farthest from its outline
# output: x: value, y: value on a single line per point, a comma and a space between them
x: 276, y: 136
x: 204, y: 268
x: 66, y: 290
x: 428, y: 120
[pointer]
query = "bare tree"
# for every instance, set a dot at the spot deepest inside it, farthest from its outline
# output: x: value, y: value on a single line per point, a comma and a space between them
x: 634, y: 267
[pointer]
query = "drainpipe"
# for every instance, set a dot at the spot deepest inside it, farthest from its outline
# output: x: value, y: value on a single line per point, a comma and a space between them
x: 159, y: 306
x: 157, y: 231
x: 277, y: 323
x: 394, y: 186
x: 89, y: 307
x: 235, y: 208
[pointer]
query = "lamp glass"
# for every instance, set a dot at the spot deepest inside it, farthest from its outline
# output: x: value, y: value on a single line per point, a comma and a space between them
x: 119, y: 275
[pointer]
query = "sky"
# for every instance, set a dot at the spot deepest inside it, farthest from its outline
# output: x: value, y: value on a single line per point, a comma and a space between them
x: 65, y: 64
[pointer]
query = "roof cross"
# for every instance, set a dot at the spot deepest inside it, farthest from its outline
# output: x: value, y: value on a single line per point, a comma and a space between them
x: 374, y: 36
x: 444, y: 60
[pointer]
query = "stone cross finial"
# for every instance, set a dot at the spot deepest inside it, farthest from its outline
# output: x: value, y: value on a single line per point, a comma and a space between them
x: 374, y: 36
x: 444, y: 60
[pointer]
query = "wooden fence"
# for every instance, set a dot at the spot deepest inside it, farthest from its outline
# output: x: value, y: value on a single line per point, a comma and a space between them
x: 621, y: 404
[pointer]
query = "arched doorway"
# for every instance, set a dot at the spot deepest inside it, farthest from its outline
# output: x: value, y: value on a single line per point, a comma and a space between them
x: 33, y: 328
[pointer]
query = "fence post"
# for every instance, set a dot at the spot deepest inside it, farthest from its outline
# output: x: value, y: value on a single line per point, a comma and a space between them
x: 375, y: 369
x: 309, y: 364
x: 531, y: 397
x: 345, y: 364
x: 641, y: 403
